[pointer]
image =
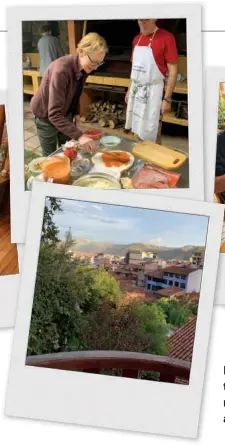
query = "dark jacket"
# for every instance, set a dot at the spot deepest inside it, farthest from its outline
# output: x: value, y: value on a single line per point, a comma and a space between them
x: 56, y: 94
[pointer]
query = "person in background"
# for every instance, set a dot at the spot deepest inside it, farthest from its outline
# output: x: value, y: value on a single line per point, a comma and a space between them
x: 49, y: 49
x: 56, y: 105
x: 154, y: 54
x: 220, y: 166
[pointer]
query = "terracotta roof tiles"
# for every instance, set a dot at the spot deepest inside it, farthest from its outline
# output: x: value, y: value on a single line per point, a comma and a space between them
x: 181, y: 343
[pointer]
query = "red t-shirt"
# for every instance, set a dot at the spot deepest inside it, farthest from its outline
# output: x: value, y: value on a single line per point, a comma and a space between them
x: 164, y: 48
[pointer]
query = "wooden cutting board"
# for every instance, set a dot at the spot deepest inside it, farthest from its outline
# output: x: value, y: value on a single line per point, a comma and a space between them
x: 159, y: 155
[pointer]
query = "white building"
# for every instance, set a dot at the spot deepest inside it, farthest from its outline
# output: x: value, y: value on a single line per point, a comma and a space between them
x: 197, y: 258
x: 185, y: 278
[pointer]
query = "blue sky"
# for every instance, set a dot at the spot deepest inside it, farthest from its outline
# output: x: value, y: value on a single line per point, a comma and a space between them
x: 125, y: 225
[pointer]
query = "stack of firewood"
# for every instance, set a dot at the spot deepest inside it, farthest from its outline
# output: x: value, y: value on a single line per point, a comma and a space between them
x: 106, y: 114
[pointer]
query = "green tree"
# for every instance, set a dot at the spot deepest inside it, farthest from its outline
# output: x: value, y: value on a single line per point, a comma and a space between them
x: 153, y: 322
x: 49, y: 229
x: 177, y: 312
x: 64, y: 290
x: 129, y: 326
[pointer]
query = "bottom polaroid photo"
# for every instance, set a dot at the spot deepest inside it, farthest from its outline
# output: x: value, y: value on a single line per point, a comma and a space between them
x: 114, y: 310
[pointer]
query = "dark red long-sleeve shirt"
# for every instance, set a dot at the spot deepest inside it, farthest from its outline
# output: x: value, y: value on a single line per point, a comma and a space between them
x: 56, y: 93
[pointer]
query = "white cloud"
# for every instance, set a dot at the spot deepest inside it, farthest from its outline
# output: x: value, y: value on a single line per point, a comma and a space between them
x: 157, y: 242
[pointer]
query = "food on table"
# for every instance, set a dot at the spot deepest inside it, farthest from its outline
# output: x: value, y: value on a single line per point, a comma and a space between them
x: 159, y: 155
x: 110, y: 161
x: 98, y: 181
x: 93, y: 134
x: 126, y: 183
x: 115, y: 158
x: 79, y: 168
x: 35, y: 166
x: 154, y: 177
x: 57, y: 168
x: 110, y: 141
x: 70, y: 153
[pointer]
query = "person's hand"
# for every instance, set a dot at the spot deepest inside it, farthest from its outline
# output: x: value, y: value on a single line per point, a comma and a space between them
x: 76, y: 120
x: 165, y: 107
x: 127, y: 96
x: 87, y: 144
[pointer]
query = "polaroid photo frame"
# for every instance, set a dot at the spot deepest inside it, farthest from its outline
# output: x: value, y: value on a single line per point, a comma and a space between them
x: 107, y: 401
x: 15, y: 17
x: 9, y: 284
x: 214, y: 76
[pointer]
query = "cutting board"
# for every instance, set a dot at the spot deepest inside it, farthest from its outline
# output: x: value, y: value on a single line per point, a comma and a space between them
x: 159, y: 155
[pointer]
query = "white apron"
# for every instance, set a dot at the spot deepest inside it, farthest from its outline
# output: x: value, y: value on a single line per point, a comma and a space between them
x: 145, y: 97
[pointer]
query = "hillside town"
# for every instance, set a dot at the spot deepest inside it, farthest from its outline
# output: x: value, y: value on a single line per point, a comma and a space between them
x: 145, y: 276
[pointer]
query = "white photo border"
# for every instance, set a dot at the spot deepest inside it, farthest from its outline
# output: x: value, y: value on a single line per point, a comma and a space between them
x: 9, y: 284
x: 214, y: 76
x: 15, y: 17
x: 106, y: 401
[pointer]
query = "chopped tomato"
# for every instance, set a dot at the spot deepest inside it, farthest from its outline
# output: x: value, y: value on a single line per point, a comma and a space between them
x: 70, y: 153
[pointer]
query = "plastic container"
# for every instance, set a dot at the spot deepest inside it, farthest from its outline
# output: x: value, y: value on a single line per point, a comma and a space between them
x: 57, y: 168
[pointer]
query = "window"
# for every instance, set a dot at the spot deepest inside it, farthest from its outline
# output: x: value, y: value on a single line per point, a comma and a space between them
x: 176, y: 283
x: 183, y: 277
x: 182, y: 285
x: 166, y: 274
x: 149, y: 287
x: 170, y: 283
x: 177, y: 276
x: 150, y: 278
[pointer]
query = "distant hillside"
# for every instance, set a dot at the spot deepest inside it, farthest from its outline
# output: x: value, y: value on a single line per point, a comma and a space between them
x: 89, y: 246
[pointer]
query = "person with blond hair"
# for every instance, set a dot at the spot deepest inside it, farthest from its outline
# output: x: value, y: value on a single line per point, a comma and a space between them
x: 56, y: 105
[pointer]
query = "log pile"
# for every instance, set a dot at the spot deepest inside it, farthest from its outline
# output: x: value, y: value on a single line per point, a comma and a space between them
x: 106, y: 114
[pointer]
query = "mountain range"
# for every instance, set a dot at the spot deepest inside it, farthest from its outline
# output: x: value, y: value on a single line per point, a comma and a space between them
x: 89, y: 246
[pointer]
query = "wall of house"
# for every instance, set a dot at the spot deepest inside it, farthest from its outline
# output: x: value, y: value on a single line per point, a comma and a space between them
x: 150, y: 267
x: 182, y: 282
x: 141, y: 279
x: 155, y: 285
x: 194, y: 281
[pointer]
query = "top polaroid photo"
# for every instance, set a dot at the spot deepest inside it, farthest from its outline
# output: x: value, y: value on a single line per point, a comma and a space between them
x: 91, y: 107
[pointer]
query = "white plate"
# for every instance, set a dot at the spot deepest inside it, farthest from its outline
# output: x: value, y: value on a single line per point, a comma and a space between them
x: 97, y: 160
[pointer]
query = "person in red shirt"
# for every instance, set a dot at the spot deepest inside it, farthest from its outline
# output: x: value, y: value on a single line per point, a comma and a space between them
x: 154, y: 54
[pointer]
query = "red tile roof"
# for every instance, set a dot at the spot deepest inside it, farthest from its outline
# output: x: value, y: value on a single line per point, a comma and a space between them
x: 155, y: 273
x: 180, y: 270
x: 170, y: 290
x: 180, y: 344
